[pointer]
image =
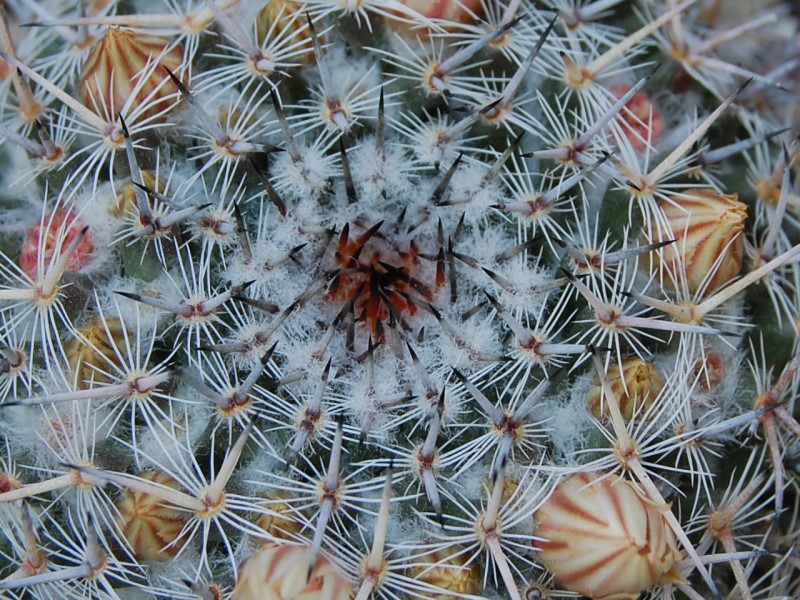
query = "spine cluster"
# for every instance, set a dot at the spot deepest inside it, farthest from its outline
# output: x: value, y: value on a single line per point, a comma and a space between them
x: 351, y: 299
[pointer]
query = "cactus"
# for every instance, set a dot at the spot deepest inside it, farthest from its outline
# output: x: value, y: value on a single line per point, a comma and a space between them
x: 399, y: 299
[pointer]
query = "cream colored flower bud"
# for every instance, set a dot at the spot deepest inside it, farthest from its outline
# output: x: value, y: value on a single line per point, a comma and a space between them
x: 604, y: 540
x: 285, y: 20
x: 281, y: 521
x: 446, y: 570
x: 280, y: 572
x: 151, y: 525
x: 116, y: 66
x: 96, y: 6
x: 124, y: 202
x: 93, y: 353
x: 708, y: 229
x: 635, y: 387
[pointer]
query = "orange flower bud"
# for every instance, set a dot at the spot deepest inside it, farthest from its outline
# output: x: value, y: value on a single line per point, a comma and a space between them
x: 9, y: 482
x: 60, y: 228
x: 709, y: 370
x: 641, y: 120
x: 459, y: 11
x: 455, y: 11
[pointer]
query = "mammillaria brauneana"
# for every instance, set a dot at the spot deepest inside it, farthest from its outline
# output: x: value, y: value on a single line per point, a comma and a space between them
x: 338, y: 298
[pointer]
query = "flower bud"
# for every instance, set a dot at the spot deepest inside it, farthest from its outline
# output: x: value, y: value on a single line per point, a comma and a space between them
x: 150, y: 524
x: 603, y: 540
x: 279, y: 522
x: 768, y: 189
x: 280, y: 572
x: 116, y: 67
x: 455, y: 12
x: 9, y: 482
x: 96, y: 6
x: 708, y: 371
x: 14, y: 364
x: 124, y: 203
x: 458, y: 11
x: 448, y: 571
x: 636, y: 385
x: 59, y: 229
x: 641, y: 121
x: 278, y: 16
x: 94, y: 352
x: 709, y: 243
